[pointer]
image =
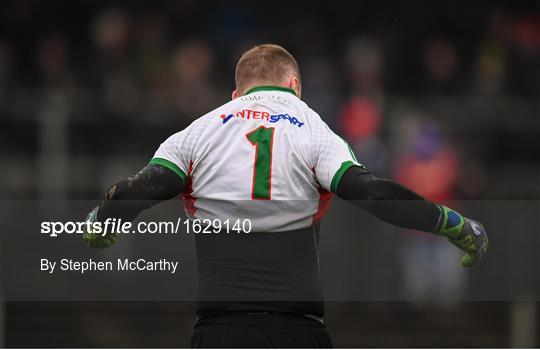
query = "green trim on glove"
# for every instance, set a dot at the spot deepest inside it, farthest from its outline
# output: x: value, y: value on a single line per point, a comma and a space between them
x: 94, y: 240
x: 466, y: 234
x: 452, y: 222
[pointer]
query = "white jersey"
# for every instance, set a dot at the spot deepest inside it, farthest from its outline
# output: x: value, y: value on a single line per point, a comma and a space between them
x: 265, y: 156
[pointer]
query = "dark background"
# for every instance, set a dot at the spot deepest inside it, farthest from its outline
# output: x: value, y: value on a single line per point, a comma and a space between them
x: 442, y: 96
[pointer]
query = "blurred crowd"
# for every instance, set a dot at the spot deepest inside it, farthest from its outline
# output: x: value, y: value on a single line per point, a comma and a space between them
x: 420, y: 91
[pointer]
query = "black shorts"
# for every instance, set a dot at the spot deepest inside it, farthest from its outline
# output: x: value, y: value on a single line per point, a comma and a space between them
x: 259, y: 330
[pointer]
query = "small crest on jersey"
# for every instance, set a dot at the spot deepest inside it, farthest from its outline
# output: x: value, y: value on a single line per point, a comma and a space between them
x: 259, y: 115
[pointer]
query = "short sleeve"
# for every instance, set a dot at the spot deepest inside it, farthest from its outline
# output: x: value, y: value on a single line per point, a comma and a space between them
x: 173, y: 156
x: 177, y: 152
x: 333, y: 156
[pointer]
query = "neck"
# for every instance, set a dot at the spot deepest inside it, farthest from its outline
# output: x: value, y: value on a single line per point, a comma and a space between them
x: 270, y: 87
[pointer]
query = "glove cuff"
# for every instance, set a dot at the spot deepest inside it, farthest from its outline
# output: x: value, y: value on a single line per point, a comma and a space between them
x: 450, y: 222
x: 91, y: 218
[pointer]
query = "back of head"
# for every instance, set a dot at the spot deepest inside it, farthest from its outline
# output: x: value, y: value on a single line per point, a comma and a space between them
x: 266, y: 64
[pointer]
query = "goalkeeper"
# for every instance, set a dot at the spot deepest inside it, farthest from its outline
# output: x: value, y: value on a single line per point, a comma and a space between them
x: 386, y: 199
x: 253, y: 156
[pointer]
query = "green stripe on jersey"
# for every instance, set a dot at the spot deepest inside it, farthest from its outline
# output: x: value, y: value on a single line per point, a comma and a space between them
x: 171, y: 166
x: 339, y: 174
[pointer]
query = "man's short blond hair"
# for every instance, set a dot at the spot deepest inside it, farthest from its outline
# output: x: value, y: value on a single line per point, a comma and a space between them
x: 266, y: 64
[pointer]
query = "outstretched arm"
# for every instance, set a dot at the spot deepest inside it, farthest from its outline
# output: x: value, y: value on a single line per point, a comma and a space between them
x: 398, y: 205
x: 126, y: 199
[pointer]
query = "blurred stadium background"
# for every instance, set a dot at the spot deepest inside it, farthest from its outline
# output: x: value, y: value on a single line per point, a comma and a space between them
x: 443, y: 96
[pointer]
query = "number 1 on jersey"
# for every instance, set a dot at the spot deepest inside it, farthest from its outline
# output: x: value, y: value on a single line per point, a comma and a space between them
x: 263, y: 139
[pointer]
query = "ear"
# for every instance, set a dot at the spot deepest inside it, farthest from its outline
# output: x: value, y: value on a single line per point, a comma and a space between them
x: 234, y: 94
x: 294, y: 84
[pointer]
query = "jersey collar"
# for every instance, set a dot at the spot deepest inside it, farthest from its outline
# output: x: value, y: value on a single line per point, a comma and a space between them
x: 269, y: 88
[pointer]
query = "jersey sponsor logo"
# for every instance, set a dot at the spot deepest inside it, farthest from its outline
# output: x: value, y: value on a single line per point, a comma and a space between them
x: 277, y: 117
x: 252, y: 114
